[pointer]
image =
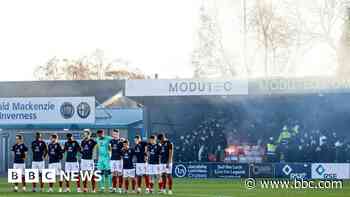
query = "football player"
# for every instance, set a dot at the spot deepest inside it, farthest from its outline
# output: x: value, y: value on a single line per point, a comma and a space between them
x: 103, y: 144
x: 55, y: 153
x: 140, y: 153
x: 88, y: 146
x: 166, y: 163
x: 128, y: 166
x: 39, y: 150
x: 116, y: 160
x: 153, y: 155
x: 72, y: 148
x: 20, y: 154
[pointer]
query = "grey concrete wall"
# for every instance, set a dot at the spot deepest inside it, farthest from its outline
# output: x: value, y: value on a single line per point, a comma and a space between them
x: 101, y: 89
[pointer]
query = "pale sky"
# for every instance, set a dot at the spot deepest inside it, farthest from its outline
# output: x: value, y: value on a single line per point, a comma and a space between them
x: 154, y: 35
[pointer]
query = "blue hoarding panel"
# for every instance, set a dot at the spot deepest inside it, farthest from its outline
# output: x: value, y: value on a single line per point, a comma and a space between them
x: 229, y: 170
x: 293, y: 170
x: 210, y: 170
x: 262, y: 170
x: 192, y: 170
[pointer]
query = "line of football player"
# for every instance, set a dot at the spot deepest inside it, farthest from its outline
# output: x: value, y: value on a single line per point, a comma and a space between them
x: 118, y: 163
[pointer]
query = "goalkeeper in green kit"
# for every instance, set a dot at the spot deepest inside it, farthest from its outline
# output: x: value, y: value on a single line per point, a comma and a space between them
x: 103, y: 145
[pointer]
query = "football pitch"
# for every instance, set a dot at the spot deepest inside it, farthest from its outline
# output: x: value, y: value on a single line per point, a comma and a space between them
x: 197, y: 188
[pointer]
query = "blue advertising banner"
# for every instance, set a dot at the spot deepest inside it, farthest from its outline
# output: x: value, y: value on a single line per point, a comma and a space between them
x: 229, y: 170
x: 262, y: 170
x: 225, y: 170
x: 195, y: 170
x: 293, y: 170
x: 210, y: 170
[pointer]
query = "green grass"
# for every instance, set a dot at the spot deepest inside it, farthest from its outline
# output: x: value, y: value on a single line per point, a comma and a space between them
x: 200, y: 188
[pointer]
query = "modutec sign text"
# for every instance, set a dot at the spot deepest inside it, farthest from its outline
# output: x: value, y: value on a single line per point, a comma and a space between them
x: 165, y: 87
x: 185, y: 86
x: 41, y: 110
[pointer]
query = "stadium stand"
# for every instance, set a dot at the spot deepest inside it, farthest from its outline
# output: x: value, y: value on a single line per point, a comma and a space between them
x: 316, y: 125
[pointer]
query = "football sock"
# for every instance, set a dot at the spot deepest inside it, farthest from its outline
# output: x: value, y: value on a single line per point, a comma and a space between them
x: 78, y: 182
x: 109, y: 180
x: 170, y: 182
x: 139, y: 181
x: 85, y: 183
x: 102, y: 182
x: 23, y: 181
x: 120, y: 182
x: 133, y: 183
x: 41, y: 182
x: 93, y: 183
x: 114, y: 181
x: 147, y: 181
x: 126, y: 182
x: 160, y: 185
x: 164, y: 181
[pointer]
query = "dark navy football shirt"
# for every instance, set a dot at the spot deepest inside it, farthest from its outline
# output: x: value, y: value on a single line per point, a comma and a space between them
x: 164, y: 151
x: 140, y: 152
x: 154, y: 153
x: 87, y: 148
x: 71, y: 148
x: 117, y: 146
x: 19, y: 150
x: 39, y: 150
x: 55, y: 153
x: 127, y: 156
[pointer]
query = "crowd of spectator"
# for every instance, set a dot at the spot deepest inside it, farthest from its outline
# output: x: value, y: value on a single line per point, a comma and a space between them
x: 315, y: 126
x: 312, y: 146
x: 208, y: 143
x: 205, y: 143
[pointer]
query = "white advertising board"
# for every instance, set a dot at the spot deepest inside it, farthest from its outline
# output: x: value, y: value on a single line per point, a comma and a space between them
x: 47, y: 110
x: 330, y: 171
x: 185, y: 87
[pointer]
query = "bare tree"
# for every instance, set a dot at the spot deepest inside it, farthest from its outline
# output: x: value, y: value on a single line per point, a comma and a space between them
x: 331, y: 17
x: 274, y: 33
x: 209, y: 58
x: 75, y: 69
x: 343, y: 69
x: 49, y: 71
x: 93, y: 67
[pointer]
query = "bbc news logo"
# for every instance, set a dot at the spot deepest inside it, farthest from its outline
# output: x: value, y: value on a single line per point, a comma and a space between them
x: 50, y: 175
